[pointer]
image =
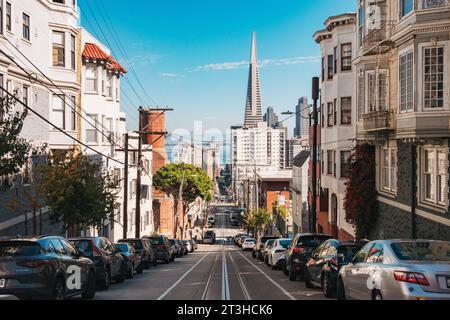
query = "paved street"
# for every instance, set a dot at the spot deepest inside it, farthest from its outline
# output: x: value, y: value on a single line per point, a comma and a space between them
x: 213, y: 272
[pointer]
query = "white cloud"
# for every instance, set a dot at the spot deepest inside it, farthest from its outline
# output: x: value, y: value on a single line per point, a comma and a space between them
x: 170, y: 75
x: 262, y: 63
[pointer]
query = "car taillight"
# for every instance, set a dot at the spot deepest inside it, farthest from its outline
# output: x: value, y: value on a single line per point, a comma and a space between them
x: 298, y: 250
x: 411, y: 277
x: 33, y: 264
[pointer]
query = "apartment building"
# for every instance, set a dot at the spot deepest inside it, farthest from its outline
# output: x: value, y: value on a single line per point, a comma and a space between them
x: 338, y: 130
x: 403, y: 108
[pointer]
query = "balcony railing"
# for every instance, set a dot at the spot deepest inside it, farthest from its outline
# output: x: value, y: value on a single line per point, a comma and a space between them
x: 383, y: 120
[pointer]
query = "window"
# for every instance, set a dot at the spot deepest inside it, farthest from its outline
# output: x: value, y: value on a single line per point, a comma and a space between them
x: 361, y: 14
x: 91, y: 77
x: 346, y: 57
x: 376, y: 91
x: 91, y: 131
x: 72, y: 52
x: 361, y: 97
x: 59, y: 49
x: 330, y: 67
x: 103, y: 77
x: 323, y: 69
x: 58, y: 111
x: 73, y: 114
x: 345, y: 163
x: 335, y: 60
x: 8, y: 16
x: 334, y: 163
x: 406, y: 6
x: 389, y: 169
x: 406, y: 81
x: 25, y: 94
x: 376, y: 254
x: 109, y: 86
x: 1, y: 17
x: 26, y: 27
x: 361, y: 256
x: 108, y: 126
x: 346, y: 110
x: 335, y: 112
x: 330, y: 114
x: 433, y: 77
x: 330, y: 162
x: 434, y: 176
x: 433, y: 3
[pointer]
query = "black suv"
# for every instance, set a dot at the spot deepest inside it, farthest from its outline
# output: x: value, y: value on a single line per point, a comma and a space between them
x: 144, y: 249
x: 323, y: 266
x: 109, y: 263
x: 162, y: 247
x: 45, y: 268
x: 299, y: 251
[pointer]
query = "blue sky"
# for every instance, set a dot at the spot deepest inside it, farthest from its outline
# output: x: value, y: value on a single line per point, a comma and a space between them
x: 191, y: 54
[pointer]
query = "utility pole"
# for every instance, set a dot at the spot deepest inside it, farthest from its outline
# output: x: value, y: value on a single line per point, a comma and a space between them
x: 139, y: 179
x: 180, y: 203
x: 313, y: 208
x: 256, y: 191
x: 125, y: 190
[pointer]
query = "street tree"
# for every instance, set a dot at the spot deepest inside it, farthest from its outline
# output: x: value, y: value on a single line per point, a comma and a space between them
x: 14, y: 150
x: 192, y: 181
x: 258, y: 220
x: 78, y: 193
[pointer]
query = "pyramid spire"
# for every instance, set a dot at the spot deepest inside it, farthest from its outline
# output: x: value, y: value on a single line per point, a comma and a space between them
x: 253, y: 112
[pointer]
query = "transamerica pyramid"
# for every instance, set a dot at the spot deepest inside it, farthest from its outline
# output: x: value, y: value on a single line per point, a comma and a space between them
x: 253, y: 113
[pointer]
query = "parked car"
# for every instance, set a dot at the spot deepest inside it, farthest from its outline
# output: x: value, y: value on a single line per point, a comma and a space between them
x: 257, y: 250
x: 398, y: 270
x: 277, y: 253
x: 248, y: 244
x: 194, y: 244
x: 109, y: 263
x: 242, y: 239
x: 144, y: 249
x: 162, y: 247
x: 265, y: 251
x: 188, y: 245
x: 38, y: 268
x: 133, y: 260
x: 177, y: 249
x: 237, y: 237
x: 299, y: 251
x: 322, y: 268
x: 209, y: 238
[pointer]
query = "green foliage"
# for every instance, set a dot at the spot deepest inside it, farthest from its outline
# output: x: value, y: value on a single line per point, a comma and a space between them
x: 225, y: 180
x: 280, y: 210
x: 14, y: 151
x: 258, y: 220
x: 77, y: 192
x: 361, y: 195
x: 196, y: 182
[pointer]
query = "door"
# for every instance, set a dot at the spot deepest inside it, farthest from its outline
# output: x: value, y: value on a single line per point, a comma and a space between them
x: 77, y: 272
x: 368, y: 277
x: 353, y: 271
x: 316, y: 261
x: 64, y: 262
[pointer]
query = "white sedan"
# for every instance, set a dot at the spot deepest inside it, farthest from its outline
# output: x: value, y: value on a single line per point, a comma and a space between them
x: 248, y: 244
x: 276, y: 253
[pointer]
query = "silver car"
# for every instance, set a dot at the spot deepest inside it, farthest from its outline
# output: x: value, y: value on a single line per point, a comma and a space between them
x: 398, y: 270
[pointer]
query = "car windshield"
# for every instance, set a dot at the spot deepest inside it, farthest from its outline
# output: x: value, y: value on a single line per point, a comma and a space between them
x: 19, y: 249
x: 285, y: 243
x: 422, y: 250
x: 85, y: 245
x: 348, y: 252
x: 156, y: 240
x: 122, y: 247
x: 311, y: 241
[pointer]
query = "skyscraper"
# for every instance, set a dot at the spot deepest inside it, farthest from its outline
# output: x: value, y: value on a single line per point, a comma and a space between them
x: 253, y: 113
x: 271, y: 118
x: 301, y: 118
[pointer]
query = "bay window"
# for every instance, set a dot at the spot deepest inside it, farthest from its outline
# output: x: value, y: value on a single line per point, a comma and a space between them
x: 109, y: 86
x: 345, y: 163
x: 434, y: 175
x: 389, y: 169
x: 346, y: 110
x: 405, y: 7
x: 59, y: 50
x: 91, y: 77
x: 346, y: 57
x: 376, y: 91
x: 91, y: 130
x: 406, y: 78
x: 58, y: 114
x: 433, y: 77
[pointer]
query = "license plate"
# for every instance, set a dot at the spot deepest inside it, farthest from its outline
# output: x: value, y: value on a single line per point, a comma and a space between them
x: 2, y: 283
x: 448, y: 282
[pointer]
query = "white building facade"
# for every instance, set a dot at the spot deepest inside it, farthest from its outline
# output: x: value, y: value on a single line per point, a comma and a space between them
x: 338, y: 132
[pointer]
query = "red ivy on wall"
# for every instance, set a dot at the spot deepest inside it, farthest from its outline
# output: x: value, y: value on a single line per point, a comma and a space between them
x: 361, y: 195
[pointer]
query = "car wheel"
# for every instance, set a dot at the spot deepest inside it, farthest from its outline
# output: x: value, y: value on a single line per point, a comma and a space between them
x: 341, y: 290
x: 285, y: 270
x: 121, y: 277
x: 266, y: 260
x: 292, y: 274
x: 308, y: 282
x: 326, y: 286
x: 59, y: 290
x: 131, y: 272
x: 104, y: 284
x: 140, y: 269
x: 147, y: 263
x: 172, y: 259
x: 376, y: 295
x: 167, y: 261
x: 89, y: 291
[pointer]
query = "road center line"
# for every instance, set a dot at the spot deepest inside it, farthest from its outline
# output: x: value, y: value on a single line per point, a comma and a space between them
x: 182, y: 278
x: 225, y: 282
x: 241, y: 281
x: 269, y: 278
